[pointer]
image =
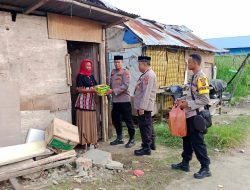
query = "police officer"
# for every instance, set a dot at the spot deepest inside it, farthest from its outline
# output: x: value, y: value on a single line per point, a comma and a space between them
x: 144, y: 100
x: 194, y: 141
x: 119, y: 82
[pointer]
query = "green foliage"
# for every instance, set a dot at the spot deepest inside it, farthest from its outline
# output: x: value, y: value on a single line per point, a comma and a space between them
x: 226, y: 67
x: 219, y: 136
x: 228, y: 136
x: 164, y: 137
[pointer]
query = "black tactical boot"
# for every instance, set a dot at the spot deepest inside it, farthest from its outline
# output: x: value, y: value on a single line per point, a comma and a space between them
x: 203, y: 172
x: 142, y: 151
x: 184, y: 166
x: 117, y: 141
x: 152, y: 146
x: 130, y: 143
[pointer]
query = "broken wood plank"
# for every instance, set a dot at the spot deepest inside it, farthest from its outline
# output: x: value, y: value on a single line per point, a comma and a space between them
x: 6, y: 168
x: 62, y: 156
x: 15, y: 184
x: 16, y: 153
x: 36, y: 169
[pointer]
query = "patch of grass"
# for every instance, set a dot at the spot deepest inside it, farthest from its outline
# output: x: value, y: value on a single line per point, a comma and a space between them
x: 164, y: 137
x: 226, y: 65
x: 228, y: 136
x: 218, y: 136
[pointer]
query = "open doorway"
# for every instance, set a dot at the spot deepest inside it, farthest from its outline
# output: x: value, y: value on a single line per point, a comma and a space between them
x: 79, y: 51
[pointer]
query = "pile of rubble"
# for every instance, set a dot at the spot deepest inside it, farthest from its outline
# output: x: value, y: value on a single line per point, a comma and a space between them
x: 54, y: 161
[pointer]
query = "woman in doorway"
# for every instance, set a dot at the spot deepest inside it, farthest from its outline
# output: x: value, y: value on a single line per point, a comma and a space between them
x: 85, y: 104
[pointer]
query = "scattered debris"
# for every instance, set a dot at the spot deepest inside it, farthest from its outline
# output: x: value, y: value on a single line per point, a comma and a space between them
x: 135, y: 162
x: 221, y: 186
x: 32, y: 176
x: 216, y: 150
x: 78, y: 180
x: 226, y: 122
x: 242, y: 151
x: 83, y: 164
x: 55, y: 182
x: 138, y: 173
x: 114, y: 165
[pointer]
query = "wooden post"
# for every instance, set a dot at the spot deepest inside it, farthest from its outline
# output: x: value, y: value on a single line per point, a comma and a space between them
x: 161, y: 105
x: 104, y: 107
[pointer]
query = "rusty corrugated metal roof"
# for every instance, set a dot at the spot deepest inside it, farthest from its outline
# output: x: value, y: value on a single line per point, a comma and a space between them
x: 153, y: 33
x: 186, y: 35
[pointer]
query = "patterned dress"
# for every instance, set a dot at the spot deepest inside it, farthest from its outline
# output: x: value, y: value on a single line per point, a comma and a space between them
x: 86, y: 111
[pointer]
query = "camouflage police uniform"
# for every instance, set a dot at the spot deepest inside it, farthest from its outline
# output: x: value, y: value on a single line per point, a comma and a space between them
x: 144, y: 98
x: 122, y: 110
x: 194, y: 141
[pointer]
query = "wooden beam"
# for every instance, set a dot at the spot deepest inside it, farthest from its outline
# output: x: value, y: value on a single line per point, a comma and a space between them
x: 21, y: 10
x: 15, y: 184
x: 35, y: 6
x: 61, y: 156
x: 93, y: 8
x: 121, y: 21
x: 36, y: 169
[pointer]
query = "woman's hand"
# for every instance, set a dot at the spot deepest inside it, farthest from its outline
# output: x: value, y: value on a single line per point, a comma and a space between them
x: 92, y: 90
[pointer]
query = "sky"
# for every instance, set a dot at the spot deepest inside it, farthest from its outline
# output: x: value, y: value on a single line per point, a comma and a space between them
x: 206, y: 18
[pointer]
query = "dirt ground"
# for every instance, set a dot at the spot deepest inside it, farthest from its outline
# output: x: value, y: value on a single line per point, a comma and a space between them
x: 230, y: 170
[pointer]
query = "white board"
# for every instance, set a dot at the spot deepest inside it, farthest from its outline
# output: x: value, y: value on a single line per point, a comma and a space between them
x: 16, y: 153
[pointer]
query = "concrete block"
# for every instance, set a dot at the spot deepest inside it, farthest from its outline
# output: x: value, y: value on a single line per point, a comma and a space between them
x: 100, y: 158
x: 114, y: 165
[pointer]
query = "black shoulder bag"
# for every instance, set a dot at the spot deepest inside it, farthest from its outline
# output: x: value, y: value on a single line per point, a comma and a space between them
x: 203, y: 119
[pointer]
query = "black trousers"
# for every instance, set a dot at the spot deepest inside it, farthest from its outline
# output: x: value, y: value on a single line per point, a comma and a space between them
x: 145, y: 122
x: 123, y: 111
x: 194, y: 142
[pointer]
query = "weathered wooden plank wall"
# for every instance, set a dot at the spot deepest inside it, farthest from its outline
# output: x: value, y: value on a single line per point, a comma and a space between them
x: 74, y: 28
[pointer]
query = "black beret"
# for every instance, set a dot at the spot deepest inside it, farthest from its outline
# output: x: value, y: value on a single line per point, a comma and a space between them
x: 118, y: 57
x: 144, y: 58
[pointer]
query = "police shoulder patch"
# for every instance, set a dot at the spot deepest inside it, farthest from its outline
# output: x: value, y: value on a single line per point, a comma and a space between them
x: 146, y: 80
x: 203, y: 85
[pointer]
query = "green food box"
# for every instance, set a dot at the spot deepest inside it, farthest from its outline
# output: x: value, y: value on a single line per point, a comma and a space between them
x: 61, y: 136
x: 102, y: 89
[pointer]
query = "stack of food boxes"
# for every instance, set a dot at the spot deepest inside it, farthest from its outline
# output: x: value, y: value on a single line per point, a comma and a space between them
x: 102, y: 89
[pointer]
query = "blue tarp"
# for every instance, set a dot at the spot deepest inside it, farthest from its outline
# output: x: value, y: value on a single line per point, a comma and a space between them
x: 130, y: 38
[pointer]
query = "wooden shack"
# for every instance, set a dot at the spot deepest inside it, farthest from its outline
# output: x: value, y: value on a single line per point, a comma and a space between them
x: 42, y: 45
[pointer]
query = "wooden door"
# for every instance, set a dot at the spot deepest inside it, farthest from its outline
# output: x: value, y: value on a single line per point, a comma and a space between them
x: 79, y: 51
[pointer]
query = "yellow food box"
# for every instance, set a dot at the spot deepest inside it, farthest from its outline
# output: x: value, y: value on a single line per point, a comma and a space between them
x: 102, y: 89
